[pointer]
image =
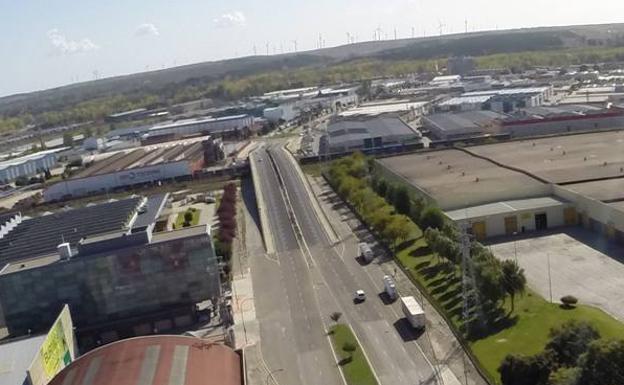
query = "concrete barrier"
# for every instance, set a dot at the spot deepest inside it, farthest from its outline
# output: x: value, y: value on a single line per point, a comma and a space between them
x: 264, y: 220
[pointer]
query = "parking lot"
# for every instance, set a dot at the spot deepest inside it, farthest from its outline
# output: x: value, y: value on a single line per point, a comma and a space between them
x: 581, y: 264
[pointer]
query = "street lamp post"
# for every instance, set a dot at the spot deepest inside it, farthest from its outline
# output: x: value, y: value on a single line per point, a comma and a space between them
x: 271, y: 375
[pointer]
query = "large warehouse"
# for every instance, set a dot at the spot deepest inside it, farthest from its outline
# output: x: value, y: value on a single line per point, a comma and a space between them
x: 350, y: 134
x: 139, y: 166
x: 119, y: 277
x: 523, y: 185
x: 28, y: 165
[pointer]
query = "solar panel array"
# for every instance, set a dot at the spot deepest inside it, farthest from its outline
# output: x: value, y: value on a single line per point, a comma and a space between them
x: 42, y: 235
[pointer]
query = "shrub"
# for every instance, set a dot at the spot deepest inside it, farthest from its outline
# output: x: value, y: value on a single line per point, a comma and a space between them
x: 569, y: 301
x: 349, y: 347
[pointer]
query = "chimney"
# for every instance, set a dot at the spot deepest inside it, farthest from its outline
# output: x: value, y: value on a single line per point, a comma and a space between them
x: 64, y: 251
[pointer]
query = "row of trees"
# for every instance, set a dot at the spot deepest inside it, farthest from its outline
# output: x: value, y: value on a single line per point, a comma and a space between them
x: 574, y: 355
x: 227, y: 223
x: 391, y: 210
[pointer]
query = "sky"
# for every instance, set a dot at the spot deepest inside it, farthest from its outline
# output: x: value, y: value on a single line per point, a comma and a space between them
x: 48, y: 43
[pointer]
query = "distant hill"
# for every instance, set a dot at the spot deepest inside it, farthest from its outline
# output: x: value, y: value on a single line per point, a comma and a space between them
x: 478, y: 43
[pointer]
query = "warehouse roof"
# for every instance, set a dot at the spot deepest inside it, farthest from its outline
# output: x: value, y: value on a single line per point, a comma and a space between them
x: 155, y: 360
x: 395, y: 106
x: 563, y: 159
x: 28, y: 158
x: 16, y: 357
x: 458, y: 100
x: 509, y: 91
x: 463, y: 122
x: 190, y: 122
x: 153, y: 206
x: 42, y: 235
x: 504, y: 207
x: 454, y: 178
x: 356, y: 129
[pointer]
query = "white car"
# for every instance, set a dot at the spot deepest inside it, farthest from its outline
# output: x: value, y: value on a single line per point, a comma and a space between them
x: 359, y: 296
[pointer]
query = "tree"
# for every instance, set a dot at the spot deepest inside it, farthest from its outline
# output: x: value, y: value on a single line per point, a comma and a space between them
x: 521, y: 370
x: 335, y: 316
x: 188, y: 218
x: 68, y: 139
x: 349, y: 347
x: 569, y: 301
x: 514, y: 281
x: 570, y: 341
x: 397, y: 229
x: 382, y: 187
x: 432, y: 217
x: 380, y: 219
x: 88, y: 132
x: 602, y: 364
x: 564, y: 376
x: 402, y: 201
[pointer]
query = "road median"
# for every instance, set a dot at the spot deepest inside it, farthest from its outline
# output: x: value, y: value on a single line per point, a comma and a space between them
x: 352, y: 360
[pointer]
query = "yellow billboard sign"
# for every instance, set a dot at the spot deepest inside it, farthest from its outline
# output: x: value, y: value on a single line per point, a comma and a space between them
x: 54, y: 351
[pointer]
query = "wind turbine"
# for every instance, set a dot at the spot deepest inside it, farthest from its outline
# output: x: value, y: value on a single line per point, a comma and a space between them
x: 295, y: 44
x: 441, y: 26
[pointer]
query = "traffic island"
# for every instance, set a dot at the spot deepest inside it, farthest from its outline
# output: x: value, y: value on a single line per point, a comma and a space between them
x: 351, y: 358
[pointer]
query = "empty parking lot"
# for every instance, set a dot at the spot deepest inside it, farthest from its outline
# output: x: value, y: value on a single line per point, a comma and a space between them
x: 581, y: 264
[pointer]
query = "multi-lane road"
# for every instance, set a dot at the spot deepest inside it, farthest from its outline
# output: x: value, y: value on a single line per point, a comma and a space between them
x: 294, y: 343
x: 314, y: 277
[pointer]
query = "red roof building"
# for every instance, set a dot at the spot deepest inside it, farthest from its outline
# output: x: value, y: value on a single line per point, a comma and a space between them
x: 155, y: 360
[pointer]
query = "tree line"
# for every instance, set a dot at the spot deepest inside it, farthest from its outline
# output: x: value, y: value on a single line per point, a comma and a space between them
x: 389, y: 209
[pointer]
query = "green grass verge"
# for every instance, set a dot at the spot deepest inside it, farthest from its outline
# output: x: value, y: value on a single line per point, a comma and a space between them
x: 356, y: 371
x: 179, y: 223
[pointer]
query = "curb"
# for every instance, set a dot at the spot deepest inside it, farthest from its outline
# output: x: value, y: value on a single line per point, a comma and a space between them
x: 264, y: 220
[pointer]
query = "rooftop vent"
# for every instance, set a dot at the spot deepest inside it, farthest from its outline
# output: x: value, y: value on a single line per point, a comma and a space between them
x: 64, y: 251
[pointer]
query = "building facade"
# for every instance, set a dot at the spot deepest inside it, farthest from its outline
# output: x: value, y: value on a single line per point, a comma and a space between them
x: 176, y: 269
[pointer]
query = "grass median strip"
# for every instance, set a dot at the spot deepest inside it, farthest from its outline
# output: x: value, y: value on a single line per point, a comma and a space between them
x: 352, y: 362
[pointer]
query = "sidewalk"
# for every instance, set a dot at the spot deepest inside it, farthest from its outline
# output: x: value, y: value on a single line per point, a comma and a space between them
x: 453, y: 364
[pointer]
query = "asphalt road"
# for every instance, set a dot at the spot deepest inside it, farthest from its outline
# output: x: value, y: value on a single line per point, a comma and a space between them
x: 293, y: 340
x: 395, y: 351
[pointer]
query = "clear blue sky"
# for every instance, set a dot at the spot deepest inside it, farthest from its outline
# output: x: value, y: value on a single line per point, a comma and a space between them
x: 47, y: 43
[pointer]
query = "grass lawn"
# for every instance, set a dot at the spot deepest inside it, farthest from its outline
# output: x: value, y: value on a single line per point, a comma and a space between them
x: 314, y: 169
x: 179, y: 223
x: 356, y: 371
x: 534, y: 316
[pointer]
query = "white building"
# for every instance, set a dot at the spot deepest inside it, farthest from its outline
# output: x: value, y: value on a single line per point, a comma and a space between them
x: 28, y: 165
x: 286, y: 112
x: 93, y: 144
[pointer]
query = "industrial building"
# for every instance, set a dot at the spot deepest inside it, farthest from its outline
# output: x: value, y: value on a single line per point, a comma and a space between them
x: 118, y: 276
x: 139, y: 166
x: 36, y: 359
x: 379, y: 133
x: 407, y: 109
x: 462, y: 125
x: 155, y: 360
x: 523, y: 185
x: 28, y: 165
x: 499, y: 100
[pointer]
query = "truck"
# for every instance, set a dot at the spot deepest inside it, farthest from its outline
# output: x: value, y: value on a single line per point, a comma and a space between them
x: 390, y: 287
x: 413, y: 312
x: 365, y: 252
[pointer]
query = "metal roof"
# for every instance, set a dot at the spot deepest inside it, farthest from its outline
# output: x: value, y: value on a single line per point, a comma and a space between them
x: 463, y: 121
x: 378, y: 109
x: 504, y: 207
x: 508, y: 91
x: 466, y: 100
x: 155, y: 360
x: 354, y: 129
x: 28, y: 158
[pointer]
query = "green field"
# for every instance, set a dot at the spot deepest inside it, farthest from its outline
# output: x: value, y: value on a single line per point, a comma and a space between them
x: 356, y: 370
x: 530, y: 322
x: 179, y: 223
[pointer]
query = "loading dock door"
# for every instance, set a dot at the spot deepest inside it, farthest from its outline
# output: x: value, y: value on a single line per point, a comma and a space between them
x: 541, y: 221
x: 569, y: 216
x: 478, y: 230
x: 511, y: 225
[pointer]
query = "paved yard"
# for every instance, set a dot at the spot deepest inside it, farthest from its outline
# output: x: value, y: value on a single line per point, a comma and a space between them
x: 581, y: 264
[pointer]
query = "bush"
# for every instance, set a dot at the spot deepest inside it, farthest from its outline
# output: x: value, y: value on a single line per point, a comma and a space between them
x: 432, y: 217
x: 569, y: 301
x: 349, y: 347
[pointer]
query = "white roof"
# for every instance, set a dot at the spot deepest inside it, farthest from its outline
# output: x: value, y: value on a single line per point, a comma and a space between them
x: 412, y: 306
x: 188, y: 122
x: 447, y: 78
x: 466, y: 100
x: 30, y: 157
x: 379, y: 109
x: 504, y: 207
x: 508, y: 91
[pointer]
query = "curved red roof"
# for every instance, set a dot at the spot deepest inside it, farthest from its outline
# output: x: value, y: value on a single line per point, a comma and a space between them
x: 155, y: 360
